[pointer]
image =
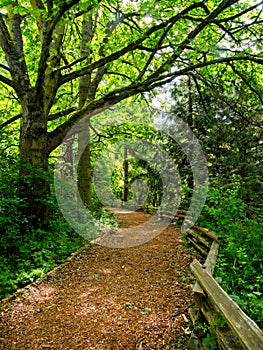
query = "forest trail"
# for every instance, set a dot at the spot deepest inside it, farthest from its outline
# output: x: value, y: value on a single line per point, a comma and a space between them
x: 106, y: 298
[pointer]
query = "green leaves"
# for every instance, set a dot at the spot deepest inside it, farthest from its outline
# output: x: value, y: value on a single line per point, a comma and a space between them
x: 239, y: 266
x: 130, y: 306
x: 96, y: 277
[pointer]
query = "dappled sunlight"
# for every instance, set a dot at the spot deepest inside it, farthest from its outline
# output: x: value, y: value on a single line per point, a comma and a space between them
x: 41, y: 293
x: 123, y: 211
x: 31, y: 299
x: 106, y: 298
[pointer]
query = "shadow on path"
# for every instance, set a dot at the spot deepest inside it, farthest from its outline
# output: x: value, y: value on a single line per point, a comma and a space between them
x: 107, y: 298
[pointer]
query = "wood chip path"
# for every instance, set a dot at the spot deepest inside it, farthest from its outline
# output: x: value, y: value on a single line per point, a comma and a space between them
x: 107, y: 299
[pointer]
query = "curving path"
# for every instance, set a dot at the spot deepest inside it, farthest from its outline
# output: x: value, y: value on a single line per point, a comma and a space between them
x: 106, y: 299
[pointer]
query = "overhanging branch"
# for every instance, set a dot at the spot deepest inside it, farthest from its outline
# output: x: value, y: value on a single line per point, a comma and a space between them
x: 238, y: 73
x: 211, y: 18
x: 247, y: 10
x: 61, y: 113
x: 130, y: 47
x: 7, y: 81
x: 50, y: 118
x: 112, y: 98
x: 10, y: 121
x: 214, y: 62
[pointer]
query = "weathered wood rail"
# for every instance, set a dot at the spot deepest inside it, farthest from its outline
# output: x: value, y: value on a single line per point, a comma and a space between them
x: 233, y: 329
x: 243, y: 333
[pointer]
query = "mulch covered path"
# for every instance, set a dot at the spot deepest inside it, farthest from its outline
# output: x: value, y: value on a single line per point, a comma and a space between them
x: 107, y: 298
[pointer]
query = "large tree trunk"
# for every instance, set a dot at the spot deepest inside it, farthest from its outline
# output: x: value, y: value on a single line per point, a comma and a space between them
x: 84, y: 166
x: 34, y: 186
x: 84, y: 169
x: 34, y: 182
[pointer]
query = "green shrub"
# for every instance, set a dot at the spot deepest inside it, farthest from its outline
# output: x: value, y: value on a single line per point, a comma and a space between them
x: 239, y: 267
x: 222, y: 209
x: 27, y: 255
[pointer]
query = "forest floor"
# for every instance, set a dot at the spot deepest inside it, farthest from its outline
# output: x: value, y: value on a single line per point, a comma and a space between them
x: 107, y: 298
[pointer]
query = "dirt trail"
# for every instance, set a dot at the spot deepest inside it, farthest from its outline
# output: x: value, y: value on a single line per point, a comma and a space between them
x: 106, y: 298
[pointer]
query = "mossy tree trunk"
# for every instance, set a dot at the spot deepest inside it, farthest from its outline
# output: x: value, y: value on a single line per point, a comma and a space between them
x: 34, y: 186
x: 84, y: 166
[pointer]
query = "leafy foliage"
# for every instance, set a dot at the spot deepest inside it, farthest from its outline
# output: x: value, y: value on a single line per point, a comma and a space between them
x: 26, y: 253
x: 239, y: 267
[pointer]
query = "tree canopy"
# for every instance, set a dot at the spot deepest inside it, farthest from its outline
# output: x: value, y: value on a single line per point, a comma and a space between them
x: 64, y: 60
x: 131, y: 47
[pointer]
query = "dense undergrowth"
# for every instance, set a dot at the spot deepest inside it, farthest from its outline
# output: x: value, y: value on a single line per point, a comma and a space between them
x: 29, y: 255
x: 239, y: 267
x: 26, y: 253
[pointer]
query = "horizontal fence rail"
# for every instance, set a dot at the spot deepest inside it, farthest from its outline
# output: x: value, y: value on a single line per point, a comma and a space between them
x: 234, y: 330
x: 248, y: 333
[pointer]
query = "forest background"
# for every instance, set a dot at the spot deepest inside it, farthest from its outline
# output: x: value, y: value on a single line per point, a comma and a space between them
x: 61, y: 61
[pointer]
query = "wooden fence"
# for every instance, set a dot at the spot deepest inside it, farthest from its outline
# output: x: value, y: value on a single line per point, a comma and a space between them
x: 233, y: 329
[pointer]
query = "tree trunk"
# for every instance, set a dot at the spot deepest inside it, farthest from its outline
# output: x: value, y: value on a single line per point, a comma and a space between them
x: 34, y: 186
x: 36, y: 102
x: 190, y: 179
x: 126, y: 176
x: 84, y: 170
x: 84, y: 166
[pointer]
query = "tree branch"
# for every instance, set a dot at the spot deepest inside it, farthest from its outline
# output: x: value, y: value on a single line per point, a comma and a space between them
x: 130, y: 47
x: 100, y: 136
x: 110, y: 28
x: 6, y: 40
x: 61, y: 113
x: 50, y: 118
x: 112, y: 98
x: 15, y: 19
x: 119, y: 74
x: 156, y: 48
x: 49, y: 7
x: 193, y: 34
x: 69, y: 65
x: 246, y: 82
x: 212, y: 62
x: 246, y: 26
x: 249, y: 9
x: 47, y: 39
x: 4, y: 67
x: 63, y: 8
x: 41, y: 22
x: 228, y: 32
x: 17, y: 65
x: 7, y: 81
x: 11, y: 120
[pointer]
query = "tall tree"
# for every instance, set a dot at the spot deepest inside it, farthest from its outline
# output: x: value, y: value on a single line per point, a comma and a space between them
x: 134, y: 46
x: 227, y: 119
x: 86, y: 93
